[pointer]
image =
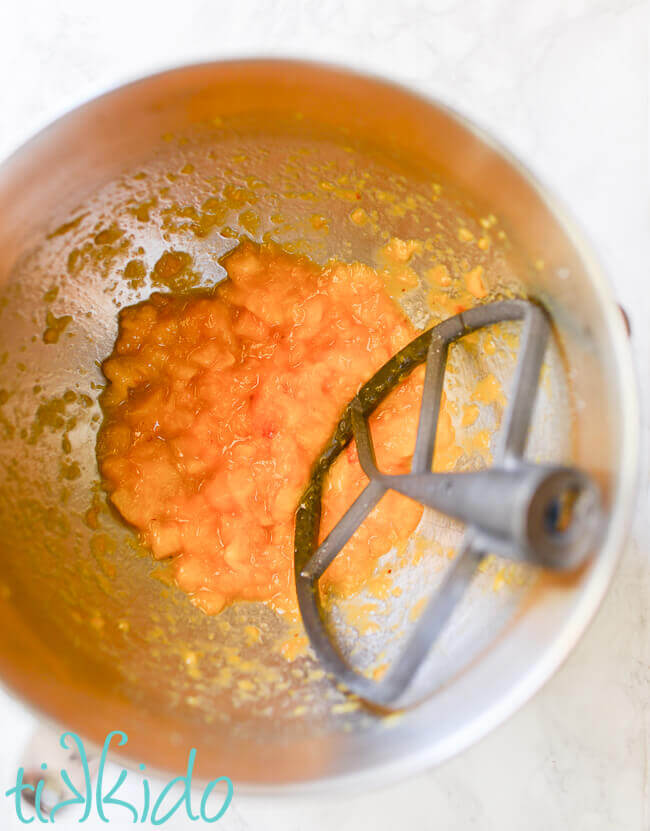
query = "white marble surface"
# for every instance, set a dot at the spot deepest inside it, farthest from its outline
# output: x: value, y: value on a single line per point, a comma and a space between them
x: 564, y: 84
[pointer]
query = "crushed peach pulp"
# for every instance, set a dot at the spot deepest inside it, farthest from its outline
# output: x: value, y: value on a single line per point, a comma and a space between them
x: 219, y: 403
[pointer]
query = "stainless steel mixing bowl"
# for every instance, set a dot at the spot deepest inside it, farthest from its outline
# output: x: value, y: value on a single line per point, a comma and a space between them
x: 290, y: 150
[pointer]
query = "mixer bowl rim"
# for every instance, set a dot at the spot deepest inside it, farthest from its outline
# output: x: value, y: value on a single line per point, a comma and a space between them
x: 599, y: 577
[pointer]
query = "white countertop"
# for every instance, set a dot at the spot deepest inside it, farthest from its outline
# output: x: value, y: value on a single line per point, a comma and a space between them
x: 564, y: 84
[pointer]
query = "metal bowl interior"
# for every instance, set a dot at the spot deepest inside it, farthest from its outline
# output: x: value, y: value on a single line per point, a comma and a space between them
x: 87, y: 636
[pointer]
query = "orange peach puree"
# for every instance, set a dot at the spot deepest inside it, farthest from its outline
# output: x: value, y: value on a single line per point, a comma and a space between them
x: 219, y: 404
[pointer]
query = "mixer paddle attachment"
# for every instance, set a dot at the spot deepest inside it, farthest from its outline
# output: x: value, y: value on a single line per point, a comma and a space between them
x: 546, y: 515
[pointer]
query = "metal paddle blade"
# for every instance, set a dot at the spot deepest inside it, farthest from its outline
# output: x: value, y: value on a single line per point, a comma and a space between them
x: 545, y: 515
